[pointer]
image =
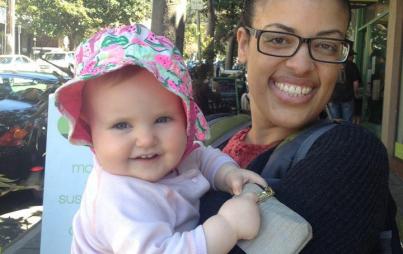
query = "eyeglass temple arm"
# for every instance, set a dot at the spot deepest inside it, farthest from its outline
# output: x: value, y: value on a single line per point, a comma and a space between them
x: 252, y: 31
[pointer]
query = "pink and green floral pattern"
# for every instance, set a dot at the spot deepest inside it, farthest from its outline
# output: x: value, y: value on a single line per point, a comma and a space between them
x: 113, y: 48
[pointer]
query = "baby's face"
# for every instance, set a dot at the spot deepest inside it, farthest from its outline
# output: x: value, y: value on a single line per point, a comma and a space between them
x: 138, y: 127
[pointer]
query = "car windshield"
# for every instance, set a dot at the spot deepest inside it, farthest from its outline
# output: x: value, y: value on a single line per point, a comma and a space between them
x: 5, y: 60
x: 54, y: 56
x: 11, y: 105
x: 23, y: 88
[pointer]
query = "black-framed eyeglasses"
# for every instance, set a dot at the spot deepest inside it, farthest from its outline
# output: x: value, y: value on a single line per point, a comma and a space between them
x: 282, y: 44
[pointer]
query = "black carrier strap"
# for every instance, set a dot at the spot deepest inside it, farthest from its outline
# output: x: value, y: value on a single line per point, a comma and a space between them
x: 295, y: 148
x: 292, y: 150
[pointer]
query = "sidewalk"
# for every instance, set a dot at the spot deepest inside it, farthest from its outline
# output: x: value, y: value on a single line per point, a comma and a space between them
x: 29, y: 242
x: 21, y: 227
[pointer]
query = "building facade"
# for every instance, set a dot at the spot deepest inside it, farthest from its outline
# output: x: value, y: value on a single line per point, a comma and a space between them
x: 377, y: 30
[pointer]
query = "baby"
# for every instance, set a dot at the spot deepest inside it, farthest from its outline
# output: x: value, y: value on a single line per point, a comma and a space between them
x: 131, y: 102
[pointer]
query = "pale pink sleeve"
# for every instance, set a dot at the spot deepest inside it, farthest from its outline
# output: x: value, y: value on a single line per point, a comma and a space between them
x: 210, y: 160
x: 134, y: 218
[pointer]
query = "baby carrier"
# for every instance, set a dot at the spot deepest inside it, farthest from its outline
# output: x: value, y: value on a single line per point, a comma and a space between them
x: 295, y: 148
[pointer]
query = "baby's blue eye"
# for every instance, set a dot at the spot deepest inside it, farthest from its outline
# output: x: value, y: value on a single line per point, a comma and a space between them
x: 121, y: 126
x: 163, y: 119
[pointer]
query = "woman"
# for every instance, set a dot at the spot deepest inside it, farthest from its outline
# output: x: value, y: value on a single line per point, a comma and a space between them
x: 293, y: 50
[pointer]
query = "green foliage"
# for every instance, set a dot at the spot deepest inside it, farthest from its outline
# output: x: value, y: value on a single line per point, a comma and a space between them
x: 191, y: 34
x: 78, y: 18
x: 228, y: 15
x: 190, y: 48
x: 8, y: 185
x: 115, y: 12
x: 53, y: 17
x: 227, y: 12
x: 190, y: 44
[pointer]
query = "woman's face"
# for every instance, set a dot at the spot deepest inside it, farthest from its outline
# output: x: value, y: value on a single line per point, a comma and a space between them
x: 289, y: 92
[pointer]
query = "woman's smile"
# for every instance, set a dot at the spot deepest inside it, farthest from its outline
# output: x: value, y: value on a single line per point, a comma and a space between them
x: 293, y: 90
x: 291, y: 93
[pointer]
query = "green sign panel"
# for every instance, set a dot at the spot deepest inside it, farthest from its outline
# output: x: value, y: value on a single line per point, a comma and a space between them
x: 399, y: 150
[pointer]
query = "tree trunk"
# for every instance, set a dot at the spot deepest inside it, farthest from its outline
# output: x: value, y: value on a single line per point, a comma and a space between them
x: 230, y: 52
x: 168, y: 19
x: 10, y: 34
x: 210, y: 53
x: 211, y: 18
x: 180, y: 15
x: 157, y: 17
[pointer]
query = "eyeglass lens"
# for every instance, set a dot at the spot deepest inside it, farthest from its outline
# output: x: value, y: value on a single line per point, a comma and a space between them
x: 280, y: 44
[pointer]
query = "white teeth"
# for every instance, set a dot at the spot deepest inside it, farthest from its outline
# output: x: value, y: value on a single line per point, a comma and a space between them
x: 146, y: 156
x: 293, y: 90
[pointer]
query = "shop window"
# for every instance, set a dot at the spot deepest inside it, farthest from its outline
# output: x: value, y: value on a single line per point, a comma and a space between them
x: 376, y: 10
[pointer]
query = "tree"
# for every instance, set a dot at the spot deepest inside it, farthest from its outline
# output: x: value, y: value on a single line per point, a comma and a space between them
x: 220, y: 19
x: 228, y: 13
x: 210, y: 50
x: 191, y: 38
x: 117, y: 12
x: 168, y: 19
x: 77, y: 18
x: 55, y: 18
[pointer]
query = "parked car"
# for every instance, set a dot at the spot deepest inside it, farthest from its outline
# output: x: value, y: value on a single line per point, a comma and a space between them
x: 17, y: 63
x: 64, y: 60
x: 23, y: 122
x: 38, y: 52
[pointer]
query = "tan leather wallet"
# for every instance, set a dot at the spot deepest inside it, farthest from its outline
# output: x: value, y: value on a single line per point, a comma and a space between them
x: 282, y: 231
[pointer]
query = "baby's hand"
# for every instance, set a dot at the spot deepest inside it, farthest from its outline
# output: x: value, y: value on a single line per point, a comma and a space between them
x: 242, y: 214
x: 236, y: 178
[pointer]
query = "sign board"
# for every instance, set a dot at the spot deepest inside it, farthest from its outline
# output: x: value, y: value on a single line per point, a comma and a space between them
x: 66, y: 171
x: 362, y: 3
x: 196, y: 5
x: 399, y: 150
x: 3, y: 15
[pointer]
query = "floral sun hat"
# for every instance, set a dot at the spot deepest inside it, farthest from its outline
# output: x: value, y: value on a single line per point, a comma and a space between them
x: 113, y: 48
